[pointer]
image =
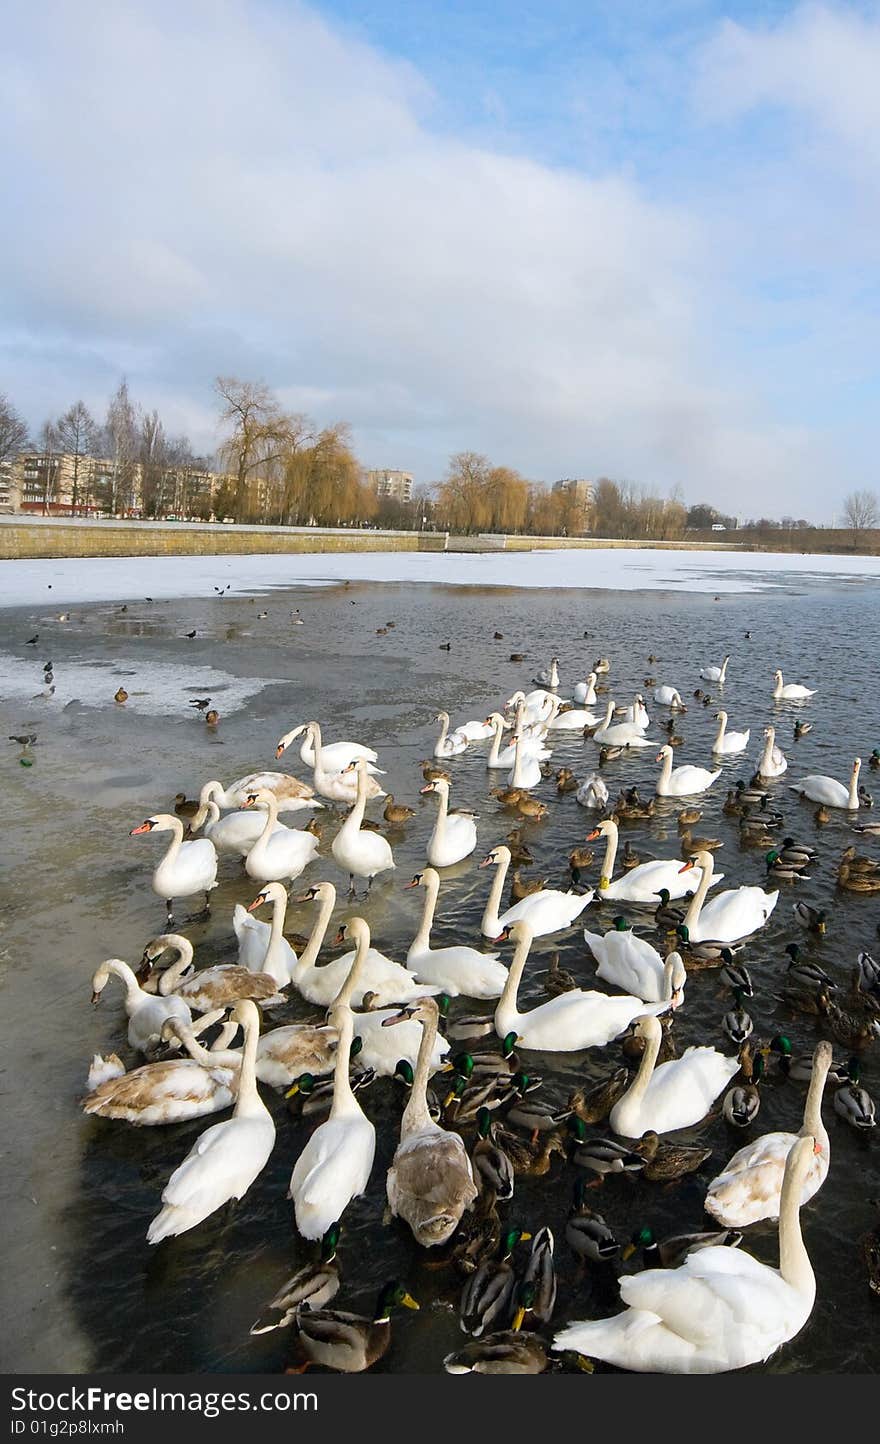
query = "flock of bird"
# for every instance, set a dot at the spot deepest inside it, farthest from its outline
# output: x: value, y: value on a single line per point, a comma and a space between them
x: 703, y: 1302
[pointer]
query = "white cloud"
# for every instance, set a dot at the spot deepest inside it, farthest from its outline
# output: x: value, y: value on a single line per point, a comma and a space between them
x: 228, y: 187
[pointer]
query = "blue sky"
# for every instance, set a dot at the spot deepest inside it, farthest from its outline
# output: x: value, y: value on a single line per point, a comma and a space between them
x: 638, y: 240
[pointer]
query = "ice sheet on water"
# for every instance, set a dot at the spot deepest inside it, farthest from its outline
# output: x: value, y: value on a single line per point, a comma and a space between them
x: 158, y: 689
x: 103, y: 579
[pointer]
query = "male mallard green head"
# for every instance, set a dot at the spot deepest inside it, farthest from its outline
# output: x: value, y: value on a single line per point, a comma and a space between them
x: 330, y: 1243
x: 781, y: 1044
x: 664, y: 897
x: 578, y: 1129
x: 463, y: 1063
x: 526, y: 1296
x: 357, y: 1044
x: 772, y: 856
x: 443, y: 1002
x: 304, y: 1085
x: 682, y: 932
x: 457, y: 1091
x: 508, y: 1044
x: 620, y: 925
x: 510, y: 1240
x: 404, y: 1072
x: 392, y: 1296
x: 484, y: 1122
x: 642, y: 1238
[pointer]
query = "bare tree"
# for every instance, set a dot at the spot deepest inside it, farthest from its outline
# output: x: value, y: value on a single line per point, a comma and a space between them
x: 79, y: 435
x: 48, y: 443
x: 122, y: 438
x: 13, y: 430
x: 152, y: 455
x: 860, y: 511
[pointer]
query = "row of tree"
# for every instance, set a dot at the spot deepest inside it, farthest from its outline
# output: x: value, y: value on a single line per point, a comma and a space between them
x: 279, y: 467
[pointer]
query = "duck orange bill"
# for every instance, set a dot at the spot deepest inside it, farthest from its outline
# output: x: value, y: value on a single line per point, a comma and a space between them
x: 687, y: 867
x: 144, y: 827
x: 592, y: 836
x: 256, y: 902
x: 409, y: 1302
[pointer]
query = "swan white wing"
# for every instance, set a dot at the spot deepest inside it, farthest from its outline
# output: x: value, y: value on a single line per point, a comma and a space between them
x: 734, y: 914
x: 547, y: 911
x: 222, y: 1164
x: 822, y: 789
x: 253, y: 938
x: 460, y: 971
x: 333, y: 1168
x: 382, y: 1048
x: 643, y: 883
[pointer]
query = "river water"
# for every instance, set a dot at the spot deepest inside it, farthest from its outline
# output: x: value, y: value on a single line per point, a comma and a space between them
x: 83, y: 1289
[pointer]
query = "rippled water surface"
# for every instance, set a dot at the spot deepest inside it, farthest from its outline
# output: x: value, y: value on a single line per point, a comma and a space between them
x: 83, y: 1290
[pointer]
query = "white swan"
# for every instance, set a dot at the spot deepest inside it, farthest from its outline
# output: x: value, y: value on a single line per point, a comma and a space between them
x: 226, y: 1158
x: 430, y: 1182
x: 526, y: 769
x: 790, y: 691
x: 474, y: 731
x: 335, y: 1165
x: 499, y: 756
x: 675, y: 1095
x: 592, y: 793
x: 290, y: 794
x: 620, y: 734
x: 820, y: 788
x: 262, y: 947
x: 666, y: 696
x: 641, y: 884
x: 381, y: 1048
x: 715, y: 674
x: 720, y: 1310
x: 358, y: 851
x: 533, y: 707
x: 147, y: 1013
x: 574, y: 719
x: 584, y: 693
x: 455, y: 833
x: 279, y: 852
x: 637, y: 713
x: 235, y: 833
x: 332, y: 782
x: 186, y: 868
x: 390, y: 982
x: 749, y: 1188
x: 171, y: 1091
x: 569, y: 1022
x: 684, y: 781
x: 337, y: 755
x: 729, y: 916
x: 632, y: 964
x: 547, y: 911
x: 726, y: 743
x: 446, y: 745
x: 457, y: 970
x: 549, y: 677
x: 772, y: 762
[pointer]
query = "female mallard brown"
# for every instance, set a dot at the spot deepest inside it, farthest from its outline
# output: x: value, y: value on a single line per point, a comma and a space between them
x: 667, y: 1161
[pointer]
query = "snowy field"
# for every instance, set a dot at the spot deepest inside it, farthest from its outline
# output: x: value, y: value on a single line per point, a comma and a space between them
x: 104, y: 579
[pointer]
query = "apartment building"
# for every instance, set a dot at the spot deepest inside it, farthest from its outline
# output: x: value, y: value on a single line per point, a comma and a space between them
x: 396, y: 484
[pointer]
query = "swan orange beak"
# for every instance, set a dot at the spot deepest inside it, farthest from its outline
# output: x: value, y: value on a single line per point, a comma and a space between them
x: 340, y: 938
x: 414, y: 883
x: 257, y: 902
x: 428, y: 787
x: 144, y: 827
x: 687, y: 867
x: 659, y: 757
x: 591, y: 836
x: 487, y: 861
x: 279, y: 750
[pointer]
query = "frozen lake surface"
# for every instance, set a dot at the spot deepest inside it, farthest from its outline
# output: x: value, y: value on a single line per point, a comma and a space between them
x: 103, y: 579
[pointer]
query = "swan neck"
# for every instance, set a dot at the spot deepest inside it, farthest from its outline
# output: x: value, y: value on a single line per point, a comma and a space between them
x: 507, y: 1003
x: 309, y: 954
x: 719, y: 735
x: 699, y: 897
x: 853, y: 798
x: 639, y: 1085
x: 343, y: 1098
x: 812, y: 1123
x: 611, y: 846
x: 346, y: 992
x: 794, y: 1261
x: 490, y: 924
x: 356, y: 816
x: 276, y: 927
x: 271, y: 818
x: 120, y: 969
x: 665, y: 774
x: 173, y: 974
x: 416, y: 1114
x: 422, y: 941
x: 248, y: 1098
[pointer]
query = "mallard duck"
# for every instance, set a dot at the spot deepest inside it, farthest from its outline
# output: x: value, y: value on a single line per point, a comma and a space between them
x: 594, y: 1104
x: 586, y: 1232
x: 509, y: 1351
x: 668, y: 915
x: 184, y: 807
x: 632, y: 1045
x: 821, y: 815
x: 871, y: 1254
x: 487, y: 1295
x: 608, y: 754
x: 801, y: 974
x: 530, y: 1156
x: 602, y: 1155
x: 579, y: 859
x: 520, y: 889
x: 671, y: 1252
x: 535, y: 1116
x: 490, y: 1161
x: 314, y: 1096
x: 566, y: 781
x: 854, y: 1030
x: 874, y: 759
x: 509, y: 796
x: 689, y: 817
x: 854, y: 881
x: 396, y: 812
x: 120, y: 695
x: 815, y: 920
x: 667, y: 1161
x: 691, y: 844
x: 349, y: 1343
x: 464, y: 1025
x: 796, y: 852
x: 799, y: 1066
x: 478, y: 1234
x: 520, y: 854
x: 557, y: 980
x: 742, y: 1101
x: 867, y: 975
x: 735, y: 975
x: 432, y: 773
x: 629, y: 858
x: 788, y: 871
x: 405, y: 1075
x: 314, y: 1284
x: 535, y: 1296
x: 737, y: 1023
x: 801, y: 729
x: 530, y: 807
x: 853, y: 1103
x: 464, y: 1100
x: 858, y: 863
x: 708, y: 953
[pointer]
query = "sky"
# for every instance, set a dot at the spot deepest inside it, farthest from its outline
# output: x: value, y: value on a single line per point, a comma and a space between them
x: 583, y: 237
